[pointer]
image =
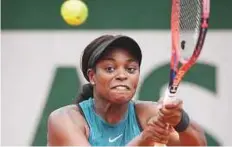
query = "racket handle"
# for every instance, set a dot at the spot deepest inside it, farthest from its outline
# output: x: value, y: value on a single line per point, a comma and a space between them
x: 167, y: 97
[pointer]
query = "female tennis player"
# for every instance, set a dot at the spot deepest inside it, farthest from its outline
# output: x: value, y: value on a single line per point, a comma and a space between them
x: 106, y: 115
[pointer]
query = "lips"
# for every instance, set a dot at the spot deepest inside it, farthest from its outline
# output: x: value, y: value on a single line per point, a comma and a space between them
x: 121, y: 87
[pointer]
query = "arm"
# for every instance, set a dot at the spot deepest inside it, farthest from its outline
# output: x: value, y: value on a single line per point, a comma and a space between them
x: 65, y: 130
x: 137, y: 141
x: 150, y: 135
x: 185, y: 132
x: 154, y: 130
x: 192, y: 136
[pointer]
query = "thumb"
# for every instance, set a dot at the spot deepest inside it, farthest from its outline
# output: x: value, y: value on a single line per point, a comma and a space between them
x: 170, y: 104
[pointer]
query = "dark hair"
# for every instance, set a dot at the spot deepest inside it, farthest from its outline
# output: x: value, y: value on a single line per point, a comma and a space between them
x: 93, y: 52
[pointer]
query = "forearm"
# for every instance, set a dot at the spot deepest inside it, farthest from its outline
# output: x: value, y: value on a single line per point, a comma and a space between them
x: 140, y: 141
x: 192, y: 136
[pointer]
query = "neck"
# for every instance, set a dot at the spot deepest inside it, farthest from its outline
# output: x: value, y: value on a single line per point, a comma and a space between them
x: 111, y: 113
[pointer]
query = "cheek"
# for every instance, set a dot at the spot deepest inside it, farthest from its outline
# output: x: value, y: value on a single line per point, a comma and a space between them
x: 102, y: 80
x: 135, y: 81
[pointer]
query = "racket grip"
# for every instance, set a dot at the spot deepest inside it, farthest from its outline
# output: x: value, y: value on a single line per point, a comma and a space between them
x: 169, y: 96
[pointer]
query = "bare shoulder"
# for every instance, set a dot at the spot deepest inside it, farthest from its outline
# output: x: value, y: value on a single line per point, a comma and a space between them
x: 63, y: 113
x: 65, y: 125
x: 145, y: 110
x: 65, y: 118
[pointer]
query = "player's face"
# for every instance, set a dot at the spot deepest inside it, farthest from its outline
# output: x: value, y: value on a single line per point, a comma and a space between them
x: 116, y: 76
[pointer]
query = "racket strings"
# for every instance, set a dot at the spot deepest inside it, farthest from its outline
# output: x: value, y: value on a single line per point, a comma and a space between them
x: 189, y: 27
x: 190, y: 14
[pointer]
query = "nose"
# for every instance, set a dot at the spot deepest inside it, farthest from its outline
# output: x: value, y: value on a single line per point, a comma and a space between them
x: 121, y: 75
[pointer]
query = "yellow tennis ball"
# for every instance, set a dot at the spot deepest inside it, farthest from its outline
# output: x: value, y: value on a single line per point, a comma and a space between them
x: 74, y: 12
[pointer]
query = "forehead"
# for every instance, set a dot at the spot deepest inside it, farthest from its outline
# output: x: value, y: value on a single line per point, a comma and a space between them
x: 111, y: 52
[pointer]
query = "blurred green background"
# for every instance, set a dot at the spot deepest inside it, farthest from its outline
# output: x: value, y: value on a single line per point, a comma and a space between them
x: 104, y: 14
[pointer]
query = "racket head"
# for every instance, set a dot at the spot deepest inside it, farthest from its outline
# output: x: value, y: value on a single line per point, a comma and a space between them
x: 189, y: 23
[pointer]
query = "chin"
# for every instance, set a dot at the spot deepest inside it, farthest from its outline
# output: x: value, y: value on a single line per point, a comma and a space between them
x: 120, y: 99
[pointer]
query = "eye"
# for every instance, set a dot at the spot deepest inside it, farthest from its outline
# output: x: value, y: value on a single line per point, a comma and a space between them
x: 131, y: 70
x: 110, y: 69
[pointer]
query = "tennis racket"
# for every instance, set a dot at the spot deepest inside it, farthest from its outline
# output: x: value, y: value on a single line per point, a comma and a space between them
x: 189, y: 24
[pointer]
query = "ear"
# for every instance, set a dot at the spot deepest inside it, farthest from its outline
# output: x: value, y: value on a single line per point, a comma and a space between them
x: 91, y: 75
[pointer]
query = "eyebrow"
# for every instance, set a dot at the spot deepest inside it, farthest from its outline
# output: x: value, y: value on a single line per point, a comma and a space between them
x: 112, y: 59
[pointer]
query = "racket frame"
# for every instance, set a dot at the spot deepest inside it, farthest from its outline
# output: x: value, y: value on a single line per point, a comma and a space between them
x: 176, y: 75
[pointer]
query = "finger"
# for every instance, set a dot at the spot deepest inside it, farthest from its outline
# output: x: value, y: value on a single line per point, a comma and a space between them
x: 161, y: 124
x: 159, y: 130
x: 173, y: 121
x: 156, y: 140
x: 165, y: 111
x: 165, y: 141
x: 171, y: 129
x: 159, y: 139
x: 157, y: 121
x: 160, y: 115
x: 162, y: 137
x: 173, y: 104
x: 174, y: 113
x: 161, y: 118
x: 157, y: 134
x: 174, y: 117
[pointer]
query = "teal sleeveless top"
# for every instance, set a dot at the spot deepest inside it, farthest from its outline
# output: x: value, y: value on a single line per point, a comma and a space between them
x: 102, y: 133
